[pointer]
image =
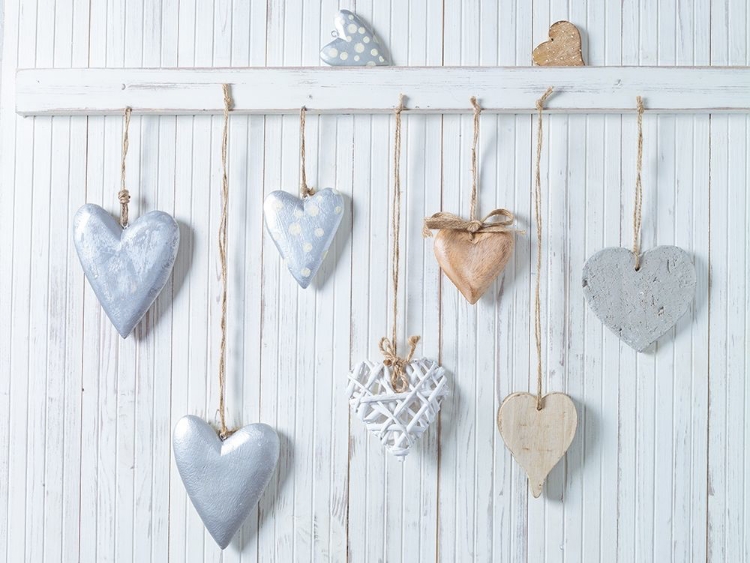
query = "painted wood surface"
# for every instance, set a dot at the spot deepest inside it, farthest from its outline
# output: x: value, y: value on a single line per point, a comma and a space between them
x: 338, y: 90
x: 658, y: 469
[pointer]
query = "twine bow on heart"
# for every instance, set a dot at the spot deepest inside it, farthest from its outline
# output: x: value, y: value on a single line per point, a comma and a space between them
x: 446, y: 220
x: 399, y: 382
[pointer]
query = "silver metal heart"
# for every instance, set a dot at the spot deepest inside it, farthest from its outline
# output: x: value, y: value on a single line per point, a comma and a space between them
x: 355, y: 44
x: 639, y: 305
x: 224, y: 480
x: 127, y: 268
x: 303, y: 229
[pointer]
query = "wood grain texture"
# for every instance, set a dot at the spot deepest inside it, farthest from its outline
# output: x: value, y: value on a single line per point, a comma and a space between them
x: 563, y: 47
x: 472, y: 261
x: 86, y: 471
x: 537, y: 438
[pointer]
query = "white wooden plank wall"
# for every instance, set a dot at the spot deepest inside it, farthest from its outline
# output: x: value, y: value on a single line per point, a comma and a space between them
x: 659, y: 469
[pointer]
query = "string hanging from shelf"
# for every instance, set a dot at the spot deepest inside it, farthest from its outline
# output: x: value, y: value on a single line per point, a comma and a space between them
x: 538, y: 429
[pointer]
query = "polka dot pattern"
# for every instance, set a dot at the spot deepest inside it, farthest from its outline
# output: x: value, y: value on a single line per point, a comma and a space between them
x: 349, y: 46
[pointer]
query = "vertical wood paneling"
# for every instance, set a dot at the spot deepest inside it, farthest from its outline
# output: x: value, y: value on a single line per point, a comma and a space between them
x: 657, y: 466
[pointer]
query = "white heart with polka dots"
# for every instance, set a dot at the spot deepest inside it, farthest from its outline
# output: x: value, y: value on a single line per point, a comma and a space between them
x: 354, y: 45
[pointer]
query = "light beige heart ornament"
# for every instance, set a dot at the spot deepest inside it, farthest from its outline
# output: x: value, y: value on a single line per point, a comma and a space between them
x: 538, y: 439
x: 472, y: 261
x: 563, y: 47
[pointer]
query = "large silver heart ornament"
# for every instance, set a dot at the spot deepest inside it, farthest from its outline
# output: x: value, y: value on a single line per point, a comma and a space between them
x: 303, y: 229
x: 127, y: 268
x: 224, y: 480
x: 397, y: 419
x: 639, y: 305
x: 354, y: 45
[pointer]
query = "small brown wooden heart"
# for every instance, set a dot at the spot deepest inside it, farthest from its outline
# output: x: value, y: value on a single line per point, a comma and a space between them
x: 563, y: 47
x: 537, y: 438
x: 472, y: 261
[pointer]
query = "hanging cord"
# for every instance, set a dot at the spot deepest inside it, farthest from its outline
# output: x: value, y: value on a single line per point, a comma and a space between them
x: 304, y: 189
x: 538, y: 216
x: 399, y: 381
x: 637, y: 208
x: 224, y: 432
x: 502, y: 218
x: 124, y: 195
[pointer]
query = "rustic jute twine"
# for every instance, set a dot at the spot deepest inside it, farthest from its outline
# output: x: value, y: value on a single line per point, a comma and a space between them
x: 538, y: 217
x: 490, y: 223
x: 124, y: 195
x: 637, y: 208
x: 388, y: 348
x: 304, y: 189
x: 224, y: 432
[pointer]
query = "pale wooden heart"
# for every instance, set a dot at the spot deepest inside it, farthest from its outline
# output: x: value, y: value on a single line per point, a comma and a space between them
x: 537, y: 438
x: 472, y: 261
x: 563, y: 47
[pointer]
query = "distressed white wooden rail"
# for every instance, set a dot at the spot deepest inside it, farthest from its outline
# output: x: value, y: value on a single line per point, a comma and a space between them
x: 375, y: 90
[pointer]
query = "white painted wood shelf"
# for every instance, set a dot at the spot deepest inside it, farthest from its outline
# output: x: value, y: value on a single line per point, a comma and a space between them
x: 185, y: 91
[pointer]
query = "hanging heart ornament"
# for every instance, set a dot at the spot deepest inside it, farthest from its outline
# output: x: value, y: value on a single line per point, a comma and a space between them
x: 472, y: 261
x: 127, y: 268
x: 639, y: 305
x: 537, y: 439
x: 563, y: 47
x: 397, y: 419
x: 224, y: 480
x: 354, y: 45
x: 303, y: 228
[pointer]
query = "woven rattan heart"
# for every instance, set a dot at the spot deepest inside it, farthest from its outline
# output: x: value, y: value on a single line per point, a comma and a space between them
x: 397, y: 419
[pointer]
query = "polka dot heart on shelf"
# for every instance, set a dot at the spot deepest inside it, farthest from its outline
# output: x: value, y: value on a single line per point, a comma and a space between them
x: 354, y: 44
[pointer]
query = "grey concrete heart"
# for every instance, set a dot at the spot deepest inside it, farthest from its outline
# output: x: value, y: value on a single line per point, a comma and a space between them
x: 639, y: 305
x: 224, y: 480
x: 303, y: 229
x: 354, y: 45
x: 127, y: 268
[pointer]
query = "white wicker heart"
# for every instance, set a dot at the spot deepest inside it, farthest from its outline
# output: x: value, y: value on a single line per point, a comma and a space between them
x: 397, y: 419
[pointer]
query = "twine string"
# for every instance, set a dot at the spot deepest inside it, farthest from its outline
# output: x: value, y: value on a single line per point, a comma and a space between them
x: 496, y: 221
x: 637, y: 208
x: 304, y: 189
x: 124, y: 195
x: 224, y: 432
x: 388, y: 348
x: 538, y: 217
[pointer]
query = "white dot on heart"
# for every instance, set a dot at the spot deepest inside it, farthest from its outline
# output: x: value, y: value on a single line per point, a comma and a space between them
x: 319, y: 232
x: 295, y: 229
x: 298, y: 213
x: 352, y: 28
x: 278, y: 205
x: 361, y: 30
x: 382, y: 60
x: 344, y: 56
x: 312, y: 210
x: 337, y: 209
x: 351, y: 16
x: 370, y: 63
x: 366, y: 39
x: 305, y: 272
x: 307, y: 247
x: 374, y: 52
x: 333, y: 52
x: 356, y: 57
x: 359, y: 48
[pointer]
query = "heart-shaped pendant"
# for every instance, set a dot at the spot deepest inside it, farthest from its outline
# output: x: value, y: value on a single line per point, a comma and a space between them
x: 397, y: 419
x: 354, y: 45
x: 537, y: 438
x: 303, y: 229
x: 127, y: 268
x: 639, y: 305
x: 224, y: 480
x: 472, y: 261
x: 563, y: 47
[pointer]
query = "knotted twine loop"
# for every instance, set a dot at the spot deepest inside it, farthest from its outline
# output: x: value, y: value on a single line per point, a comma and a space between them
x: 304, y: 189
x: 445, y: 220
x: 388, y: 348
x: 538, y: 217
x: 638, y: 189
x: 224, y: 432
x: 124, y: 195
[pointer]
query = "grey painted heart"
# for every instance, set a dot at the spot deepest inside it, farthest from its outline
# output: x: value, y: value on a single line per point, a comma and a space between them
x: 639, y: 305
x: 224, y: 480
x: 303, y: 229
x: 355, y: 44
x: 127, y: 268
